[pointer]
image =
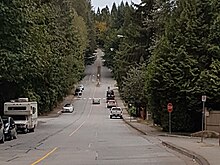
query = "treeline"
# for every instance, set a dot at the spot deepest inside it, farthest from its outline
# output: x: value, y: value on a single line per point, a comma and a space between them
x: 165, y: 51
x: 43, y: 47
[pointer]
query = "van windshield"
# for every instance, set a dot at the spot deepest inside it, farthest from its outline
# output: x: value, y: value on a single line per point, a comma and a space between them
x: 19, y: 117
x: 17, y: 108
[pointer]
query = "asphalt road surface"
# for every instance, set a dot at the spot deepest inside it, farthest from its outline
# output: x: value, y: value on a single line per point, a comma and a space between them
x: 87, y: 136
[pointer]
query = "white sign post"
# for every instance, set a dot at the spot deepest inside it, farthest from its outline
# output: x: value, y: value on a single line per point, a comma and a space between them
x: 203, y: 114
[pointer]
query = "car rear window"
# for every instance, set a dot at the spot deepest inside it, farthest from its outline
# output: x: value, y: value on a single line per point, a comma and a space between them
x: 116, y: 109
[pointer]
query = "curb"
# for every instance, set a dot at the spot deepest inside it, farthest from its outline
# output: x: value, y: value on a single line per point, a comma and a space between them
x: 144, y: 133
x: 198, y: 158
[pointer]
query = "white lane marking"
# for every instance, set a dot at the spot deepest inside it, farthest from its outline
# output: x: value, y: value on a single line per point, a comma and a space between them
x: 79, y: 98
x: 96, y: 155
x: 84, y: 120
x: 82, y: 123
x: 90, y: 144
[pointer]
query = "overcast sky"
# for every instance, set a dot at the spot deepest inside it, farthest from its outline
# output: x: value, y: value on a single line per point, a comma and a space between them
x: 102, y: 3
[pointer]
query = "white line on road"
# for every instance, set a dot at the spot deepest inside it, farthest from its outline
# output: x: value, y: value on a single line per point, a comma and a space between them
x: 90, y: 144
x: 82, y: 123
x: 84, y: 120
x: 96, y: 155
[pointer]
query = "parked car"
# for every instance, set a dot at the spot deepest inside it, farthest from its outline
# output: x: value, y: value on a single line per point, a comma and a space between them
x: 78, y: 92
x: 111, y: 103
x: 10, y: 130
x: 2, y: 136
x: 68, y: 108
x: 116, y: 112
x: 96, y: 101
x: 81, y: 86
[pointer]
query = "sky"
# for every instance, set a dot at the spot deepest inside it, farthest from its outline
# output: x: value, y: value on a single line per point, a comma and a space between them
x: 102, y: 3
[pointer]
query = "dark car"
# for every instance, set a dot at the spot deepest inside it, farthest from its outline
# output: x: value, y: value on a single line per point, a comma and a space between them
x: 10, y: 131
x: 78, y: 92
x: 110, y: 95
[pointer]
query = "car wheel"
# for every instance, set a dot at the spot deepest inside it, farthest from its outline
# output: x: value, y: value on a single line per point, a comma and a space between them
x: 25, y: 130
x: 3, y: 139
x: 32, y: 129
x: 15, y: 135
x: 110, y: 117
x: 9, y: 137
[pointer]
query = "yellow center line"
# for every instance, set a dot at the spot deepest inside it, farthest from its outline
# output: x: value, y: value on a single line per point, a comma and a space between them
x: 49, y: 153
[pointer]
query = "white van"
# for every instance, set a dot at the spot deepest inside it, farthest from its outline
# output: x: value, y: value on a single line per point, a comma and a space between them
x: 24, y: 113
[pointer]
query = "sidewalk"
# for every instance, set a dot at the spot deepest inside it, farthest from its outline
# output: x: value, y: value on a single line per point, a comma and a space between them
x: 204, y: 153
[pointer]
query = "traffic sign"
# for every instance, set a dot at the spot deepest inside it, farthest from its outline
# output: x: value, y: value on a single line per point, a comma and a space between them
x: 169, y: 107
x: 203, y: 98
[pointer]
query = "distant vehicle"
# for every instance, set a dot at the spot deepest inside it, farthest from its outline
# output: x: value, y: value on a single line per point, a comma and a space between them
x: 116, y: 112
x: 81, y: 86
x: 10, y: 130
x: 110, y: 95
x: 78, y: 92
x: 96, y: 101
x: 2, y: 136
x: 68, y: 108
x: 111, y: 103
x: 24, y: 113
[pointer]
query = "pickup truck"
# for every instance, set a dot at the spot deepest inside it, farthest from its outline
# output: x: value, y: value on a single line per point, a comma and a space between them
x: 116, y: 112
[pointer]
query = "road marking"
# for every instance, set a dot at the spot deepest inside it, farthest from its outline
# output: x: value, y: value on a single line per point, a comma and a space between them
x: 84, y: 120
x: 82, y: 123
x: 90, y: 144
x: 77, y: 128
x: 96, y: 155
x: 49, y: 153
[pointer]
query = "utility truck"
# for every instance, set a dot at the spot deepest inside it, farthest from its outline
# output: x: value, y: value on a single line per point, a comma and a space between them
x: 23, y: 112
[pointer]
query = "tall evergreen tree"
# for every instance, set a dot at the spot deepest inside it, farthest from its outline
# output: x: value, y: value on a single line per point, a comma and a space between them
x: 178, y: 61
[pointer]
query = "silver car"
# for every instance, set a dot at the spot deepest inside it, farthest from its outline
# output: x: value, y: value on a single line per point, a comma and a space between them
x: 2, y: 136
x: 68, y: 108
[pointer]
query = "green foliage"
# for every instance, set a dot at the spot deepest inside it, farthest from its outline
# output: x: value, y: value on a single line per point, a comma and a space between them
x: 182, y: 66
x: 132, y: 88
x: 178, y: 42
x: 132, y: 111
x: 42, y: 50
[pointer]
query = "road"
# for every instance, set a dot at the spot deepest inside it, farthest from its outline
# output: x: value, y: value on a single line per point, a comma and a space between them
x: 87, y: 136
